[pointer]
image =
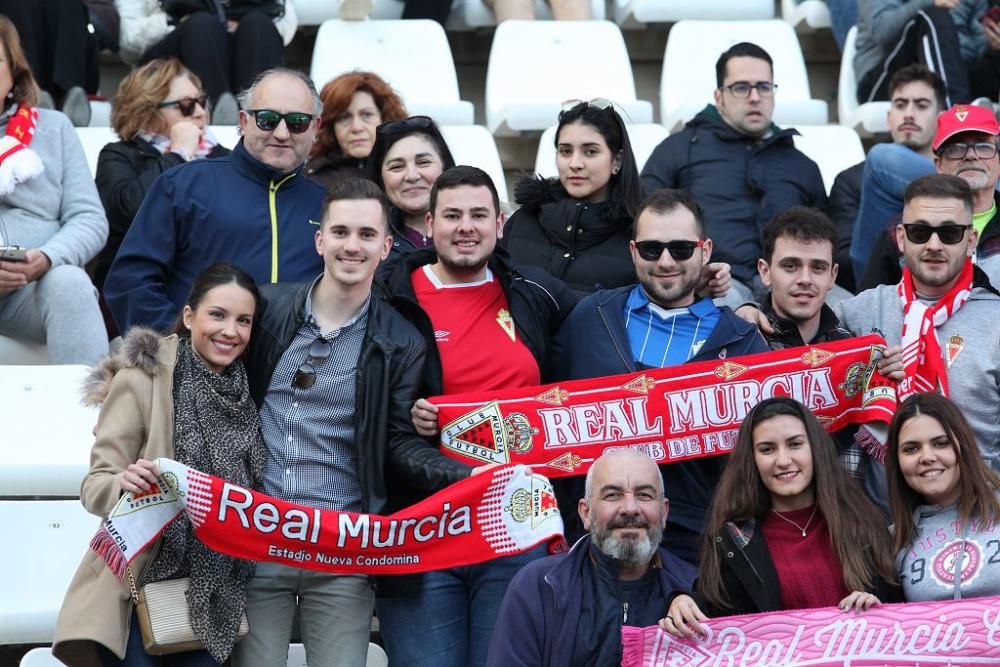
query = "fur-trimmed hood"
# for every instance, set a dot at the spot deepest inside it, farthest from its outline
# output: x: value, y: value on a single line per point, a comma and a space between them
x: 533, y: 192
x: 140, y: 348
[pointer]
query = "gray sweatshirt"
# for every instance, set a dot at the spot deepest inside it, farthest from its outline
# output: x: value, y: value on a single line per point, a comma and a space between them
x: 58, y: 211
x: 973, y: 336
x: 927, y: 568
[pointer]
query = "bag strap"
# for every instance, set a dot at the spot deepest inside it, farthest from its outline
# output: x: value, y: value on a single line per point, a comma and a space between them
x: 131, y: 585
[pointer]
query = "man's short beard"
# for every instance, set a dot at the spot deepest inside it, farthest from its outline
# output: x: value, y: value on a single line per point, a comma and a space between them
x: 637, y: 552
x: 464, y: 265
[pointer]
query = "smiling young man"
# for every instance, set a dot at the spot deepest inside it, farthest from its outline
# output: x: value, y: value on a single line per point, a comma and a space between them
x: 569, y: 609
x: 334, y: 371
x: 944, y: 310
x: 739, y: 166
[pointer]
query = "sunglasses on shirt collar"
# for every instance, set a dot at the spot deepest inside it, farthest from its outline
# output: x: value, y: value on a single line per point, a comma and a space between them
x: 679, y: 250
x: 268, y: 120
x: 305, y: 376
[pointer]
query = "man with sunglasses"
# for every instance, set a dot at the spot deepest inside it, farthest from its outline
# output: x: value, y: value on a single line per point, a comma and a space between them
x: 944, y: 310
x: 335, y: 371
x: 253, y: 208
x: 658, y: 323
x: 739, y: 166
x: 966, y: 145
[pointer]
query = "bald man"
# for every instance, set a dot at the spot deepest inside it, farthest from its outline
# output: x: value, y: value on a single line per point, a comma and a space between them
x: 568, y: 609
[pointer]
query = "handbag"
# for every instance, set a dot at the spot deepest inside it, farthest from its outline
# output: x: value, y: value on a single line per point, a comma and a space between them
x: 164, y: 619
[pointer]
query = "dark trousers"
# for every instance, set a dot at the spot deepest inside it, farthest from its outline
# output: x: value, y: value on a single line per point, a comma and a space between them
x: 61, y: 51
x: 225, y: 62
x: 930, y: 39
x: 436, y: 10
x: 984, y: 76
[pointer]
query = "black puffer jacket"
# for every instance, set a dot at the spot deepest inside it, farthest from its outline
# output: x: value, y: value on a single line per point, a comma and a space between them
x: 845, y: 198
x: 740, y: 182
x: 585, y: 245
x: 328, y: 170
x: 125, y: 172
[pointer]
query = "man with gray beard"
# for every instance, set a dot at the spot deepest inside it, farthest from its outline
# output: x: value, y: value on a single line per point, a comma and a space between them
x: 567, y: 610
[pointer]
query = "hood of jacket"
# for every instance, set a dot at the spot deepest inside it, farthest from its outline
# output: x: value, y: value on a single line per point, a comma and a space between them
x: 535, y: 192
x: 710, y: 119
x: 140, y: 349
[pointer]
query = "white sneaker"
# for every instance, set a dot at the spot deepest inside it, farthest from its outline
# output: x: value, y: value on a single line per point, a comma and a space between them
x: 355, y: 10
x: 76, y: 106
x: 226, y: 110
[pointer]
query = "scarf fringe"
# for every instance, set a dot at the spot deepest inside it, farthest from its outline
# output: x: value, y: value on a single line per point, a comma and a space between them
x: 106, y: 547
x: 873, y: 445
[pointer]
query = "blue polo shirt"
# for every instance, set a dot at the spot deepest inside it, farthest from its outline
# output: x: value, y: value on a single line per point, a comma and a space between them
x: 661, y: 337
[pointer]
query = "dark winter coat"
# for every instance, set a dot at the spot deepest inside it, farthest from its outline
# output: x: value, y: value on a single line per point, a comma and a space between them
x: 738, y: 181
x: 845, y: 198
x: 328, y: 170
x: 583, y: 244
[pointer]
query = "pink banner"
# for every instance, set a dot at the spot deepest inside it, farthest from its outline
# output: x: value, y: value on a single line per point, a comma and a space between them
x: 916, y: 634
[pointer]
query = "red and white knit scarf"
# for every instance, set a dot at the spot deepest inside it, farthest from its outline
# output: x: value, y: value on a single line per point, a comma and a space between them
x: 18, y: 163
x: 922, y: 362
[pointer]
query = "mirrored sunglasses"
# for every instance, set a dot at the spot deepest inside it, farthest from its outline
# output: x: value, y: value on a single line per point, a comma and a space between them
x: 268, y: 120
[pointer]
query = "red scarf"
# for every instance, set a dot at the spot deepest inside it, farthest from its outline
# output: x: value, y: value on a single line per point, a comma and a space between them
x: 673, y: 414
x: 925, y: 369
x: 18, y: 163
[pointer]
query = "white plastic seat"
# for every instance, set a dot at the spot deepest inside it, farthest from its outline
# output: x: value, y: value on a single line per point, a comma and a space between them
x: 93, y: 140
x: 536, y: 65
x: 48, y: 539
x: 226, y: 135
x: 474, y: 145
x: 693, y: 47
x: 465, y: 15
x: 14, y: 352
x: 869, y: 118
x: 643, y: 137
x: 630, y: 13
x: 47, y: 432
x: 297, y: 656
x: 806, y: 16
x: 412, y: 56
x: 833, y: 147
x: 39, y: 657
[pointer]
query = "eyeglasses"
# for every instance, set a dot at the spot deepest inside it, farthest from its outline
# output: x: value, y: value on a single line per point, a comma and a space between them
x: 948, y: 234
x: 186, y: 105
x: 268, y: 120
x: 305, y: 376
x: 743, y: 88
x: 679, y: 250
x: 984, y: 150
x: 406, y: 125
x: 598, y: 103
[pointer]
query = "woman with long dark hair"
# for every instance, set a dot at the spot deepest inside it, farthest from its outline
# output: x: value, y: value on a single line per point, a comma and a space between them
x: 945, y: 503
x: 787, y: 528
x: 577, y: 226
x: 184, y: 397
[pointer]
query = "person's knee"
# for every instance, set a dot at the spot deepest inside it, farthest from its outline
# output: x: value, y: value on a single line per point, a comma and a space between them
x: 202, y: 26
x: 70, y: 284
x: 256, y: 23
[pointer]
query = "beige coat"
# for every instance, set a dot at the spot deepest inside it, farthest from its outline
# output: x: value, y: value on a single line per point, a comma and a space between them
x: 135, y: 391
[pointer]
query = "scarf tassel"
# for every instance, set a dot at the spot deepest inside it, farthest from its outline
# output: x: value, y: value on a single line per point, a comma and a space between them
x: 18, y: 163
x: 106, y: 547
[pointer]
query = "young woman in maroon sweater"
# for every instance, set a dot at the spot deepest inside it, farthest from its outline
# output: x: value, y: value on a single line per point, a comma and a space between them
x: 788, y: 529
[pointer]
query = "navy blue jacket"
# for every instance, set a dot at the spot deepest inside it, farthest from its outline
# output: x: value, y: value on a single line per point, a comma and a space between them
x: 235, y: 209
x: 740, y: 182
x: 592, y: 342
x: 537, y: 623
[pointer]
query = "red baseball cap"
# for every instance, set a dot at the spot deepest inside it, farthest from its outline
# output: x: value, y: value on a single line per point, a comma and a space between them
x: 964, y: 118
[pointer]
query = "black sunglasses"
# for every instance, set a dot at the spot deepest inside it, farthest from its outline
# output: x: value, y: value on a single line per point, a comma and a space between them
x: 406, y: 125
x: 949, y: 234
x: 268, y: 120
x: 186, y: 105
x: 679, y: 250
x: 305, y: 376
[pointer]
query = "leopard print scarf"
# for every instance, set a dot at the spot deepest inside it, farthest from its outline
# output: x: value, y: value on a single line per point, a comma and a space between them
x: 217, y: 431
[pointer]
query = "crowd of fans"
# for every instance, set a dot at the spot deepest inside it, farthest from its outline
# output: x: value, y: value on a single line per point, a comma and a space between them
x: 286, y: 309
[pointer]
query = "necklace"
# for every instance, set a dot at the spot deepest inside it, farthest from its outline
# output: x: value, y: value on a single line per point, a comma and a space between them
x: 802, y: 528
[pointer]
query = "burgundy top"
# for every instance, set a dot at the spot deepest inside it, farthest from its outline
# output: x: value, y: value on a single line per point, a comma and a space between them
x: 416, y: 238
x: 809, y: 572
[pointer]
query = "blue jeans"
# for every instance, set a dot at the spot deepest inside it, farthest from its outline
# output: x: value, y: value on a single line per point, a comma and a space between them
x: 445, y: 618
x: 843, y: 16
x: 889, y: 168
x: 136, y: 656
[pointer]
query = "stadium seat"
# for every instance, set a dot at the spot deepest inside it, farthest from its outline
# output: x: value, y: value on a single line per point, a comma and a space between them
x: 644, y: 138
x: 227, y: 135
x: 536, y: 65
x: 47, y: 433
x: 93, y: 140
x: 693, y: 47
x: 412, y: 56
x: 474, y: 145
x: 15, y: 352
x: 633, y: 13
x: 807, y: 15
x: 47, y: 540
x: 39, y: 657
x: 867, y: 119
x: 833, y: 147
x: 376, y: 656
x: 465, y: 15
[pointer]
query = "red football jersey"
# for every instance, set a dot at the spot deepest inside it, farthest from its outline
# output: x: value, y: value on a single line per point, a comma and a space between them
x: 479, y: 346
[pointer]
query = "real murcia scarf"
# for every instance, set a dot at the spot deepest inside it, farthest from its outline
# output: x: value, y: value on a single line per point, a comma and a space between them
x: 922, y: 362
x: 682, y: 412
x: 500, y: 512
x: 18, y: 163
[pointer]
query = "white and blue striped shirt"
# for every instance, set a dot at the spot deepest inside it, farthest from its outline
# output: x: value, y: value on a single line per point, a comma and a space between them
x: 660, y: 337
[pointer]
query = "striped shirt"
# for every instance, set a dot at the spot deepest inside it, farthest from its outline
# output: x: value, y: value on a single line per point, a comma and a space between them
x: 660, y: 337
x: 311, y: 454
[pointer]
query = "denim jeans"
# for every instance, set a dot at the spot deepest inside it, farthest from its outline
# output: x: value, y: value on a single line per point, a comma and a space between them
x: 889, y: 168
x: 445, y: 618
x: 843, y: 16
x: 136, y: 656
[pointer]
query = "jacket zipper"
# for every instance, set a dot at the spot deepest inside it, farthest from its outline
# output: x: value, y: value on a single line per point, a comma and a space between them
x: 273, y: 209
x: 611, y: 333
x: 624, y: 613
